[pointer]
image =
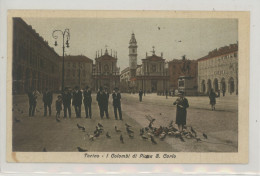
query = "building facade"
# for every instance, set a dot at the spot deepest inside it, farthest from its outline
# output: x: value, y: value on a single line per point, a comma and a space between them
x: 150, y: 76
x: 183, y: 75
x: 105, y: 72
x: 77, y: 71
x: 35, y: 63
x: 219, y: 70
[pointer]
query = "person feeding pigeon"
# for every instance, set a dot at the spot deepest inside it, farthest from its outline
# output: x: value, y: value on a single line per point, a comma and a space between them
x: 58, y: 106
x: 181, y: 112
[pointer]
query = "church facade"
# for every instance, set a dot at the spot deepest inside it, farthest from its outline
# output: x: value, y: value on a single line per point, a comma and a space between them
x: 150, y: 76
x: 105, y: 72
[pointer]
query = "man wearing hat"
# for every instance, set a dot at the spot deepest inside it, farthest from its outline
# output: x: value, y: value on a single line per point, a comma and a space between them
x: 181, y: 113
x: 77, y: 101
x: 66, y: 98
x: 99, y: 98
x: 87, y: 101
x: 117, y: 103
x: 105, y: 100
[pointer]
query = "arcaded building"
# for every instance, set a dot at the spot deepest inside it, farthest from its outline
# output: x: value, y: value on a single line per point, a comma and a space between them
x: 105, y: 71
x: 35, y: 63
x: 77, y: 71
x: 150, y: 76
x: 219, y: 70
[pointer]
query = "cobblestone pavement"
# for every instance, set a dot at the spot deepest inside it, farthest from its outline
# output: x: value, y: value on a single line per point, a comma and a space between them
x: 38, y: 132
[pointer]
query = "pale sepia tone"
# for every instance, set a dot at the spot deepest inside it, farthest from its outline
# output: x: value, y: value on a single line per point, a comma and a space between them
x: 150, y: 72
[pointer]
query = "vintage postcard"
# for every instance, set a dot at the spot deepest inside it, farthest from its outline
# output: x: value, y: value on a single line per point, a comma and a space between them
x: 128, y: 86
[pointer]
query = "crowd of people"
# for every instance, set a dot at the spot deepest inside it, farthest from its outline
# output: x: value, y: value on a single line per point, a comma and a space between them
x: 76, y: 98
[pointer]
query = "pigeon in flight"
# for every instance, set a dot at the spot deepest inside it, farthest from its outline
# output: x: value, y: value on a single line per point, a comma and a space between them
x: 81, y: 149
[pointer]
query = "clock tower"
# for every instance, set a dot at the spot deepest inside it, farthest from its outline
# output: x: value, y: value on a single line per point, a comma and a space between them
x: 132, y: 56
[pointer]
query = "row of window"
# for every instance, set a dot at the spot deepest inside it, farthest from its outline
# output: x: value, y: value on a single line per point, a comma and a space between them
x: 216, y: 61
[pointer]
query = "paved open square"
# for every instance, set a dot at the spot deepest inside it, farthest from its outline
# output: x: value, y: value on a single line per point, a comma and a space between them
x: 34, y: 134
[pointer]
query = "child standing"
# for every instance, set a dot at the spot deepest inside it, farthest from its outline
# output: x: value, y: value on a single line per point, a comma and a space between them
x: 58, y: 106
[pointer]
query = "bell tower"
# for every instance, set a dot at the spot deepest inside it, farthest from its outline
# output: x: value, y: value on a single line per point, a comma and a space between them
x: 132, y: 56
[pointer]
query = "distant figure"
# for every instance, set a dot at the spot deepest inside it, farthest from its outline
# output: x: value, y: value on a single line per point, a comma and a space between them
x: 223, y: 92
x: 58, y: 106
x: 212, y: 98
x: 32, y: 102
x: 140, y: 95
x: 181, y: 113
x: 77, y: 101
x: 117, y: 103
x: 66, y: 98
x: 87, y: 102
x: 47, y: 100
x: 106, y: 98
x: 166, y: 94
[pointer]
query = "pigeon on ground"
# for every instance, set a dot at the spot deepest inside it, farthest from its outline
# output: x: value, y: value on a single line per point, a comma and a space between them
x: 44, y: 149
x: 128, y: 126
x: 121, y: 139
x: 144, y: 137
x: 129, y: 131
x: 117, y: 130
x: 181, y: 138
x: 153, y: 141
x: 141, y: 131
x: 81, y: 149
x: 100, y: 125
x: 162, y: 136
x: 107, y: 135
x: 193, y: 131
x: 198, y: 139
x: 57, y: 120
x: 131, y: 136
x: 79, y: 127
x: 17, y: 120
x: 205, y: 136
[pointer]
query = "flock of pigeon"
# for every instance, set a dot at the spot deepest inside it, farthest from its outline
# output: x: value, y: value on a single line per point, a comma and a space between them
x: 147, y: 133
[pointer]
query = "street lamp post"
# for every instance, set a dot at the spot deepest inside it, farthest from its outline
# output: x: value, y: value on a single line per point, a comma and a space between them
x: 65, y: 33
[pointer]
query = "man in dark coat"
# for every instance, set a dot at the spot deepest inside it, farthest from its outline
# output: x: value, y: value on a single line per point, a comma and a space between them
x: 100, y: 101
x: 87, y: 101
x: 77, y: 101
x: 47, y: 100
x: 32, y: 95
x: 106, y: 98
x: 140, y: 95
x: 117, y: 103
x: 181, y: 113
x: 66, y: 98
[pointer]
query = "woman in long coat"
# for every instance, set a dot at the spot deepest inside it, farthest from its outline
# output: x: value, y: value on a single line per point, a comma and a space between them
x: 212, y: 99
x: 181, y: 112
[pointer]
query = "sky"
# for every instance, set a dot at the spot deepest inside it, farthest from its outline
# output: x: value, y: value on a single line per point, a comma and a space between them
x: 88, y: 35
